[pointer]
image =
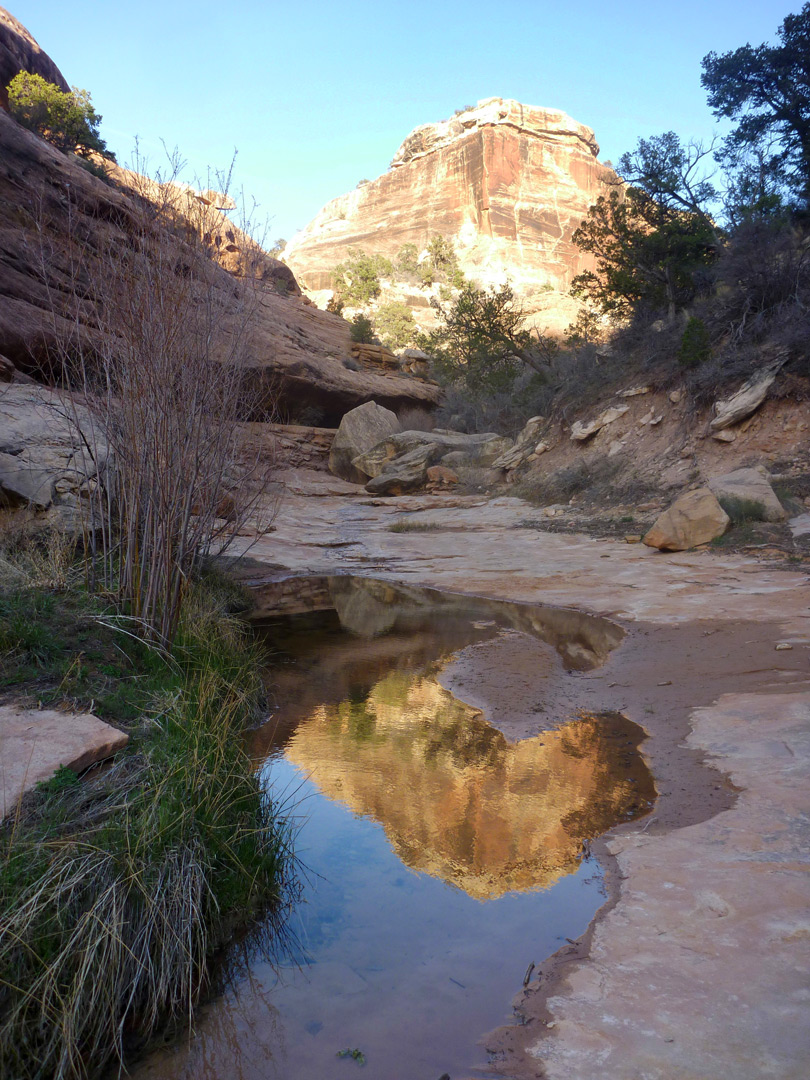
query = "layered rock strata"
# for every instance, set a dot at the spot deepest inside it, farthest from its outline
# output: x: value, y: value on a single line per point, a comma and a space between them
x: 507, y: 183
x: 297, y: 355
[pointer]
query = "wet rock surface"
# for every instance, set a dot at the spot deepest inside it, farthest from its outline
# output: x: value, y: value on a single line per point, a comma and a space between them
x: 704, y: 940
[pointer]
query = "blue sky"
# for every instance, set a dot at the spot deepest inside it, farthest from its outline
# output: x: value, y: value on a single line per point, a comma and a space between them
x: 316, y: 96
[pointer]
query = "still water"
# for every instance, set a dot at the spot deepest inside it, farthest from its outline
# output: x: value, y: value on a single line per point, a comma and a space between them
x: 440, y: 857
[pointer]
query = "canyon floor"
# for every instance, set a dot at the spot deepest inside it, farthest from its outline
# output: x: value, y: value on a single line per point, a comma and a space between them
x: 697, y: 966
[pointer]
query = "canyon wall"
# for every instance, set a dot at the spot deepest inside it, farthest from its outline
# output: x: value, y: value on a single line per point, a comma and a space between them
x: 507, y: 183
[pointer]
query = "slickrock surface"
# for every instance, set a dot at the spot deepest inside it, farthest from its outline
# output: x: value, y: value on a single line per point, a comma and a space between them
x: 703, y: 968
x: 507, y: 183
x: 697, y: 967
x: 35, y: 742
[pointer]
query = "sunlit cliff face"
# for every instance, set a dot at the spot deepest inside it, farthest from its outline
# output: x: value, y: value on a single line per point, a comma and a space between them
x: 456, y: 799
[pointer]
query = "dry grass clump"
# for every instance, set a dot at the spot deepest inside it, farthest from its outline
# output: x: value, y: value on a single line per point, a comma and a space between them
x: 37, y: 559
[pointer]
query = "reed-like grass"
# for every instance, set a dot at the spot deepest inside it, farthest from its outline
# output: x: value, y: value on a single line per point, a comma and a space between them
x: 115, y: 893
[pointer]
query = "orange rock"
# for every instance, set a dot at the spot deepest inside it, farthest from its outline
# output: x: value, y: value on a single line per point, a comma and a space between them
x: 440, y: 474
x: 507, y: 183
x: 696, y: 518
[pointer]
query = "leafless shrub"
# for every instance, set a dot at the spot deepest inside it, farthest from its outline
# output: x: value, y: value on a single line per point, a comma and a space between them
x: 764, y: 274
x: 162, y: 371
x: 416, y: 419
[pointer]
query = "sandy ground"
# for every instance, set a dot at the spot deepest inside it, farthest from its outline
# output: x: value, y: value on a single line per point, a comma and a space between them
x: 698, y: 965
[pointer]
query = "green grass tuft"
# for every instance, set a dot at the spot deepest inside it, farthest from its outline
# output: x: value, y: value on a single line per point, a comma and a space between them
x: 414, y: 527
x: 117, y: 891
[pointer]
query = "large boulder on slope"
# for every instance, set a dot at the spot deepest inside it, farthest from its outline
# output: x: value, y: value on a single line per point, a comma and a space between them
x: 694, y: 518
x: 751, y: 491
x: 747, y: 399
x: 360, y: 430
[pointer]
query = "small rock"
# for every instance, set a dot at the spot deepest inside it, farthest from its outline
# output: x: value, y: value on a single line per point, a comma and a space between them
x: 633, y: 538
x: 676, y: 396
x: 635, y: 391
x: 726, y: 436
x: 440, y: 474
x: 783, y: 646
x: 580, y: 431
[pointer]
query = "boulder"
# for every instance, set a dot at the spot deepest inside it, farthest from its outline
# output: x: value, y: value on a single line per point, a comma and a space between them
x: 404, y: 473
x: 375, y: 355
x: 747, y: 399
x: 526, y: 444
x: 695, y: 518
x: 751, y: 487
x: 360, y: 430
x: 477, y: 449
x: 45, y: 438
x: 441, y: 475
x: 581, y: 432
x: 23, y: 485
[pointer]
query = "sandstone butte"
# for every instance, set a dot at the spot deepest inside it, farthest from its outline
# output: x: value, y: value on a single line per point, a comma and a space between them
x: 507, y: 183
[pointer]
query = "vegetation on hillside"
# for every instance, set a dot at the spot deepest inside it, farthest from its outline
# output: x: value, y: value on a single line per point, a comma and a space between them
x: 702, y: 259
x: 67, y: 120
x: 356, y: 280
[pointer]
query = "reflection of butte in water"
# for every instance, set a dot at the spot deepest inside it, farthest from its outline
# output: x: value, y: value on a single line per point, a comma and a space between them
x: 456, y: 798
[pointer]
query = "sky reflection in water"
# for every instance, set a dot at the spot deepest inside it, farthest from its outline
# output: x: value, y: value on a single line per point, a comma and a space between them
x: 441, y: 859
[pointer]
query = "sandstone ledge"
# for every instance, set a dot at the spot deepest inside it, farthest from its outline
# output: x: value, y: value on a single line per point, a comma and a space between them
x: 35, y: 742
x: 702, y: 968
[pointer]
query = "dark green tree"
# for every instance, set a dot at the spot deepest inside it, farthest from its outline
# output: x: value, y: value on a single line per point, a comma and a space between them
x: 652, y: 238
x: 673, y: 175
x: 357, y: 279
x: 647, y: 254
x: 394, y: 325
x: 66, y: 120
x: 766, y: 89
x: 483, y: 340
x: 361, y: 329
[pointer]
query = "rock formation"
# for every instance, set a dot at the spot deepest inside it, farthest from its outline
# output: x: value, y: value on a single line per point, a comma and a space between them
x: 299, y: 355
x: 20, y: 52
x: 507, y: 183
x: 695, y: 518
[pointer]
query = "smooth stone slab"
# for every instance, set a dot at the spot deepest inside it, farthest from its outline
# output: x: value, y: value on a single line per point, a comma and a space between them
x: 35, y: 742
